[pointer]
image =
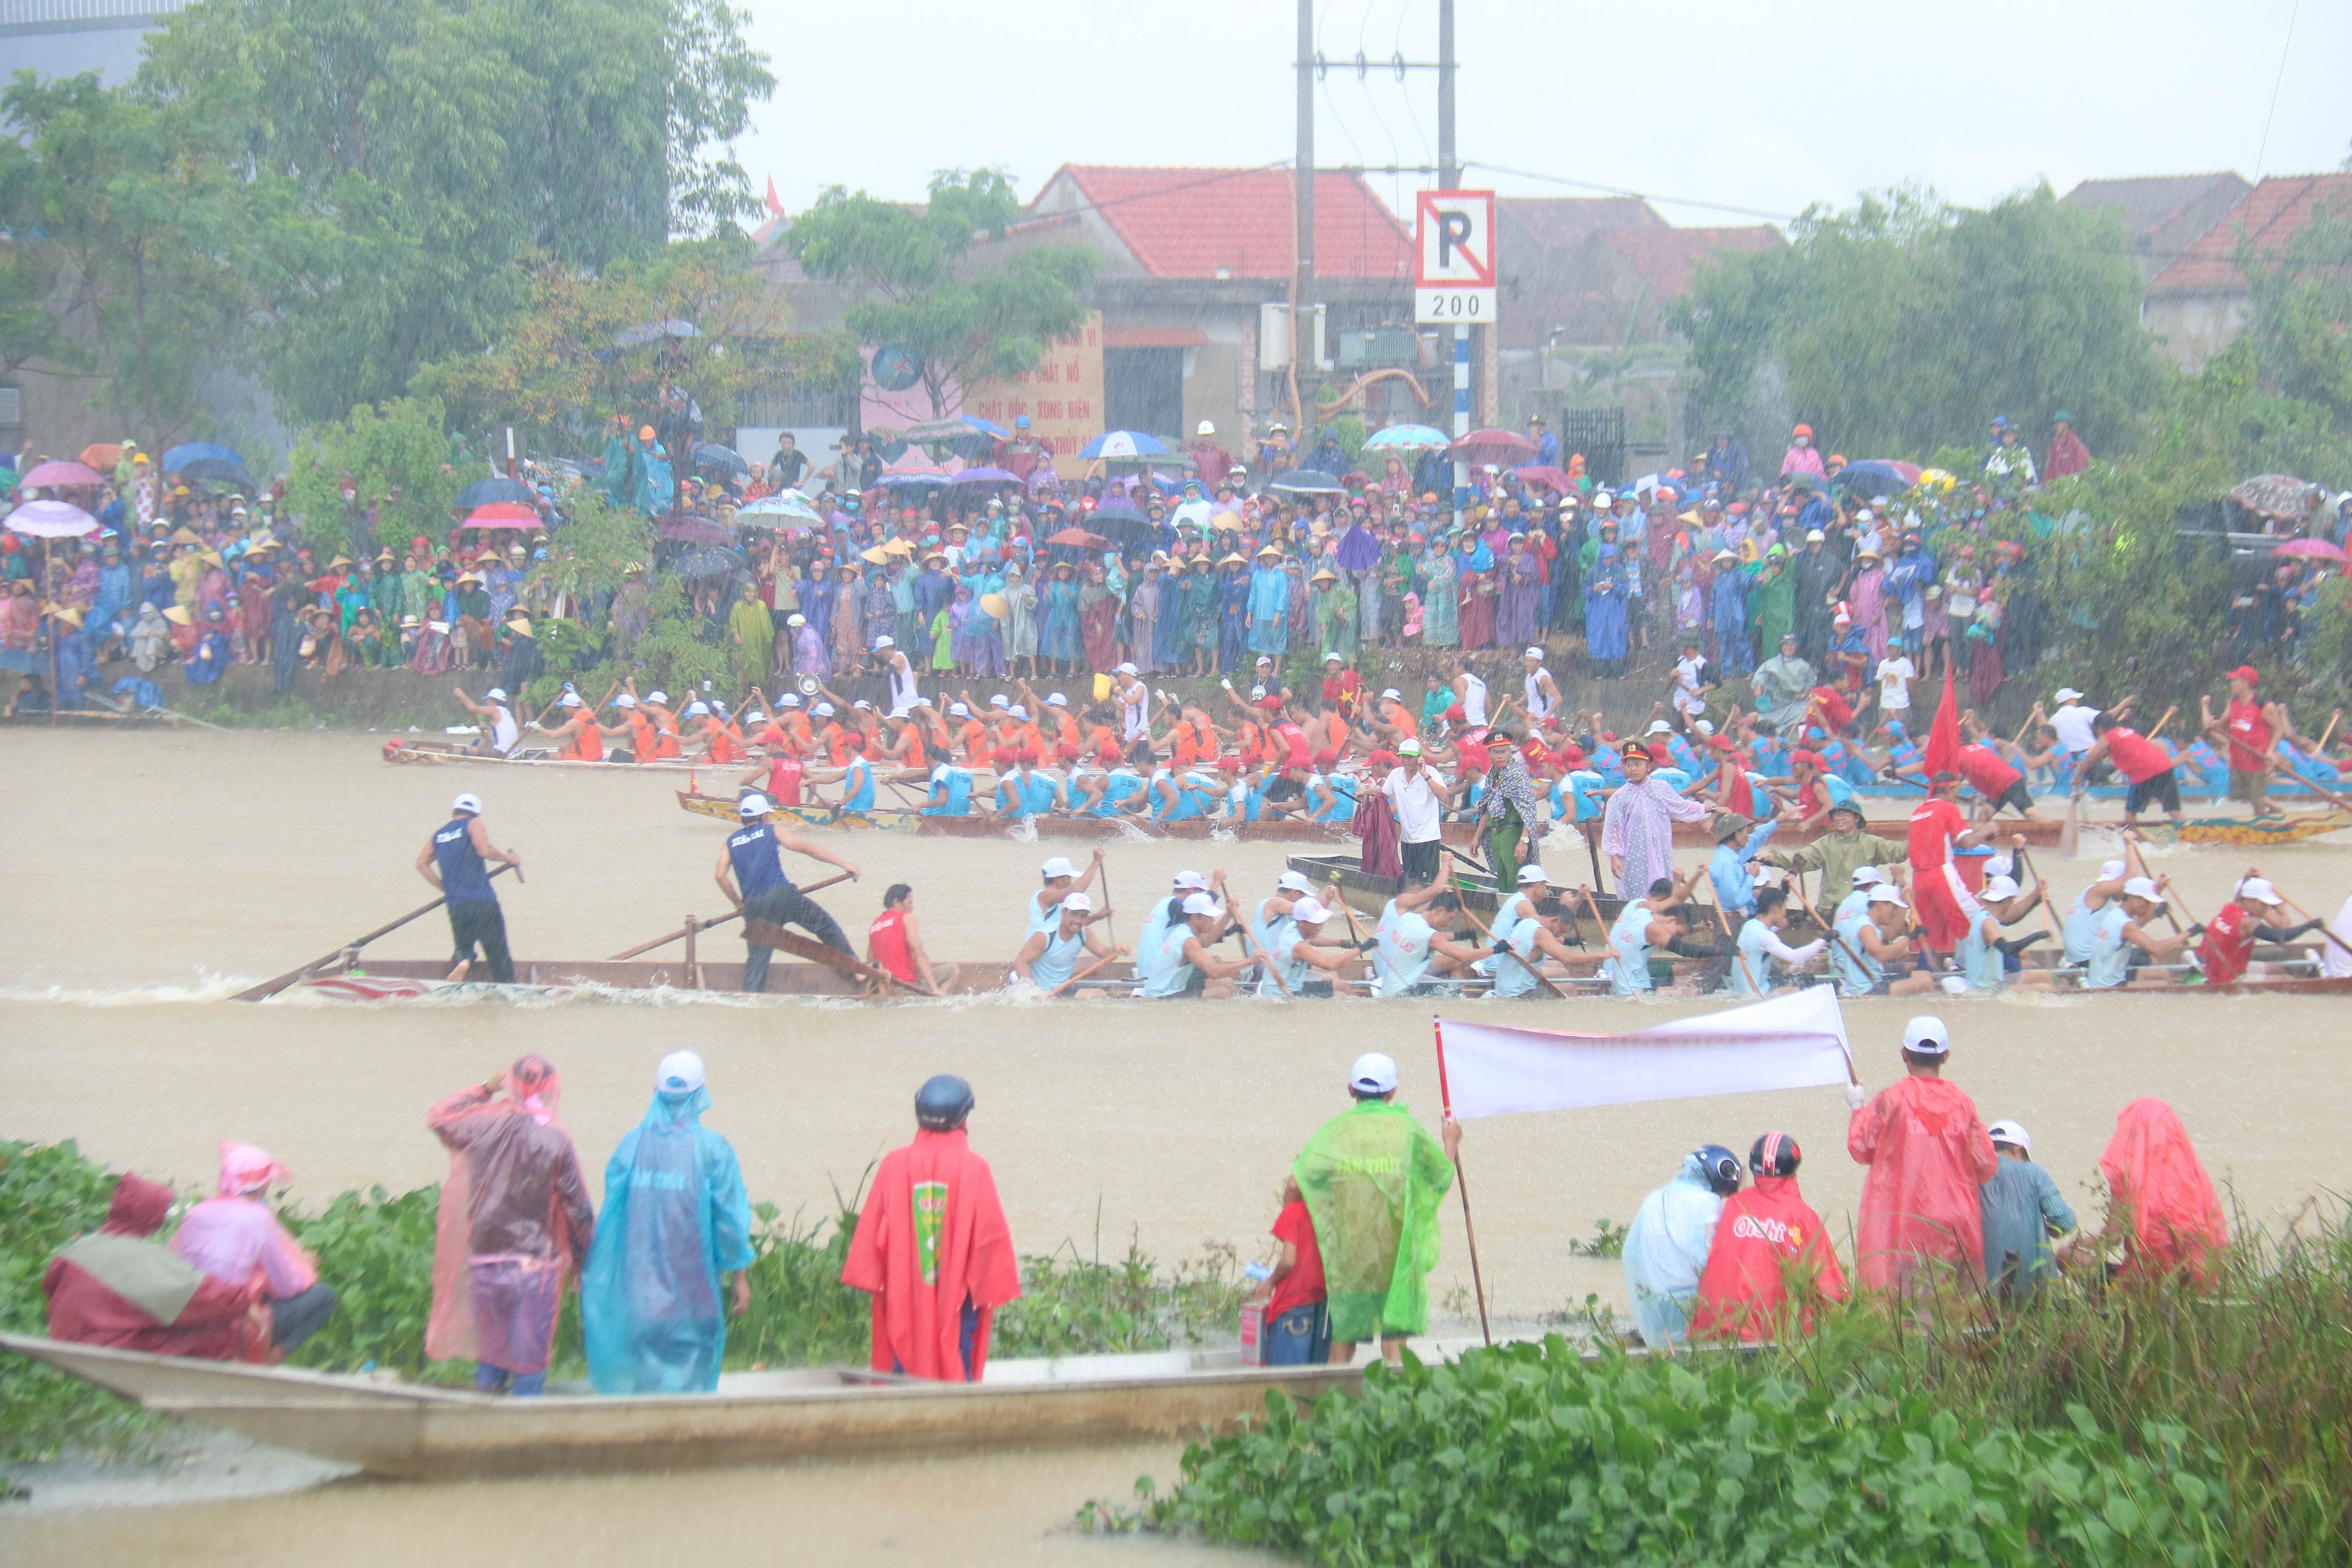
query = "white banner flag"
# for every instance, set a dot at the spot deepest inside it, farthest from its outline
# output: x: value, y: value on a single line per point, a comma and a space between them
x: 1796, y: 1041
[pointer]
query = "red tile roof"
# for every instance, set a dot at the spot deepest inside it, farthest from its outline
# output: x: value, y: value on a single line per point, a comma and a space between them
x: 1189, y: 222
x: 1560, y: 223
x: 2269, y: 215
x: 1665, y: 257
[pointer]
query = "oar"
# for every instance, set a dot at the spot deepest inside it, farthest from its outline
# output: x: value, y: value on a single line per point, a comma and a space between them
x: 2324, y: 735
x: 1843, y: 946
x: 2131, y: 847
x: 2221, y: 735
x: 1109, y: 957
x: 2025, y: 864
x: 1265, y: 958
x: 775, y: 936
x: 2306, y: 914
x: 2160, y: 723
x: 1541, y: 979
x: 269, y: 988
x: 701, y: 926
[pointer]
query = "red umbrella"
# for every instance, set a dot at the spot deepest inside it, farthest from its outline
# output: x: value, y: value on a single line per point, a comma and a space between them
x: 502, y: 514
x: 53, y: 475
x: 1080, y: 536
x: 1492, y: 446
x: 2317, y: 549
x: 102, y: 454
x: 1547, y: 475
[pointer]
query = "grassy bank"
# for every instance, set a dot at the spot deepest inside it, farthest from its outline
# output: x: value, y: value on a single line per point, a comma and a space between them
x: 2141, y: 1424
x: 376, y: 1249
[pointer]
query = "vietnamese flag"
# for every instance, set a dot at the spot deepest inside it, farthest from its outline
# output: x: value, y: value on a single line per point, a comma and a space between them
x: 1943, y: 754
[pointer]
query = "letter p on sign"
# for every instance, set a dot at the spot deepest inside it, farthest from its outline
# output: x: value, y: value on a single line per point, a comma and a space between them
x: 1454, y: 280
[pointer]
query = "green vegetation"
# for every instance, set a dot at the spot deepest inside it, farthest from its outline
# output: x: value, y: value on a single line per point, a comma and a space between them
x: 49, y: 1195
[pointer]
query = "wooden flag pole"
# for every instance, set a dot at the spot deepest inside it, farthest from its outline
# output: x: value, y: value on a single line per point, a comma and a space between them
x: 1461, y: 1185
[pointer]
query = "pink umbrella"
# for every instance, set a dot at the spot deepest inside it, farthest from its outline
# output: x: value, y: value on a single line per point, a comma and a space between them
x: 1493, y: 447
x: 502, y: 514
x: 1547, y: 475
x: 49, y: 519
x: 55, y: 475
x: 2316, y: 549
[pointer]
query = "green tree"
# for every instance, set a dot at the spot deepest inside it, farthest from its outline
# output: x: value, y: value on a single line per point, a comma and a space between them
x: 397, y: 457
x: 1906, y: 324
x: 2302, y: 317
x: 437, y: 142
x: 962, y: 323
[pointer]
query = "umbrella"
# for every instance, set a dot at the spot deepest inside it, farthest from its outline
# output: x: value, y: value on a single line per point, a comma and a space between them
x: 1493, y: 447
x: 1408, y: 438
x: 177, y: 460
x: 102, y: 454
x: 703, y: 562
x: 711, y: 454
x: 482, y: 492
x: 985, y: 476
x: 939, y: 430
x: 1547, y: 475
x: 1891, y: 471
x: 986, y: 428
x: 502, y: 514
x: 648, y: 332
x: 1078, y: 537
x: 692, y: 530
x: 2281, y: 496
x: 909, y: 478
x: 1307, y: 482
x: 55, y: 475
x: 218, y: 470
x: 49, y: 520
x: 2316, y: 549
x: 1123, y: 444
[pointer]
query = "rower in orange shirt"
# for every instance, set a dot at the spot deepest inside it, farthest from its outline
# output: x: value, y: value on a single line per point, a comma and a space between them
x: 583, y: 741
x: 721, y: 741
x: 665, y: 722
x: 643, y: 743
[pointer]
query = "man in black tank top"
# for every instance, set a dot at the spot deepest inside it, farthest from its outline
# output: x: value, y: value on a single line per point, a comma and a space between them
x: 451, y: 860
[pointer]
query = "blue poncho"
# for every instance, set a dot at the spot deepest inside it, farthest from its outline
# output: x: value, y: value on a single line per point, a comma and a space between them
x: 1665, y: 1252
x: 675, y: 1219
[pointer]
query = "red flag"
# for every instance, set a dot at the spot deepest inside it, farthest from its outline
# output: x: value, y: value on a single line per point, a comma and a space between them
x: 1943, y: 755
x: 775, y: 207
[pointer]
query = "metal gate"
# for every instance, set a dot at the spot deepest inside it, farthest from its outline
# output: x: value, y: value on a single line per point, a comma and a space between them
x: 1599, y: 435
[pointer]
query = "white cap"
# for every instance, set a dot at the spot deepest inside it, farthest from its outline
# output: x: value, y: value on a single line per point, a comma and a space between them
x: 1200, y: 904
x: 1058, y: 866
x: 860, y: 705
x: 1391, y: 695
x: 1080, y: 902
x: 796, y: 620
x: 959, y: 710
x: 1927, y: 1036
x: 570, y: 700
x: 822, y: 709
x: 1264, y: 661
x: 2141, y: 887
x: 468, y: 802
x: 2259, y: 890
x: 659, y: 698
x: 1408, y: 748
x: 496, y: 694
x: 1295, y: 881
x: 1374, y: 1073
x: 1189, y: 880
x: 1862, y: 516
x: 2011, y: 1132
x: 788, y: 699
x: 1308, y: 912
x: 1866, y: 876
x: 1333, y: 659
x: 1888, y: 893
x: 1533, y: 653
x: 2110, y: 869
x: 2068, y: 694
x: 695, y: 708
x: 881, y: 642
x: 680, y: 1072
x: 753, y: 804
x: 1659, y: 727
x: 1056, y: 699
x: 1704, y: 727
x: 1205, y: 429
x: 1129, y: 668
x: 996, y: 699
x: 624, y: 701
x: 1531, y: 874
x: 2000, y: 886
x: 1602, y: 498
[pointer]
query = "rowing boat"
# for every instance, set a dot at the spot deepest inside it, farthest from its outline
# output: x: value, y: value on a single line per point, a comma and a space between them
x: 399, y: 748
x: 2238, y: 832
x: 419, y: 1432
x: 892, y: 820
x: 544, y: 978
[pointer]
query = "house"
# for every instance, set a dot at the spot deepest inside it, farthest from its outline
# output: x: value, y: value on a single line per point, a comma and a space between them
x: 1597, y: 271
x: 2200, y: 302
x: 2164, y: 214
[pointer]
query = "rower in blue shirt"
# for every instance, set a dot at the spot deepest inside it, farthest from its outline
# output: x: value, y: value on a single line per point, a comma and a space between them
x: 1735, y: 884
x: 753, y: 862
x: 950, y: 792
x: 452, y: 862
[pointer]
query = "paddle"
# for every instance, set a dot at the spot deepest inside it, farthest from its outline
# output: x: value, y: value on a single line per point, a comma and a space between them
x: 2025, y: 864
x: 269, y: 988
x: 2218, y: 734
x: 2306, y: 914
x: 1107, y: 957
x: 764, y: 935
x: 2131, y: 847
x: 1541, y: 979
x: 701, y: 926
x: 1844, y: 946
x: 2324, y: 735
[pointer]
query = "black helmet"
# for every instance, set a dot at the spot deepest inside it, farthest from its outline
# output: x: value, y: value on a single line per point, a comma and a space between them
x: 1721, y: 1165
x: 1775, y: 1154
x: 942, y: 1103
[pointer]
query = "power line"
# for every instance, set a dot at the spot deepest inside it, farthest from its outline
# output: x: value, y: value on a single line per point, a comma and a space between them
x: 2285, y: 49
x: 1622, y: 191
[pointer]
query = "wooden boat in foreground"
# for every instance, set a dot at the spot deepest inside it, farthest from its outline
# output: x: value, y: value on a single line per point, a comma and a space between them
x: 419, y: 1432
x: 2240, y: 832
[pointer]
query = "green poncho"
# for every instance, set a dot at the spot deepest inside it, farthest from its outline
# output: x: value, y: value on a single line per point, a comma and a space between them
x: 1372, y: 1178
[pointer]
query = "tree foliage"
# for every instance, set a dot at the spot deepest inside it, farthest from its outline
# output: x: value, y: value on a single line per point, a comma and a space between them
x: 1906, y: 322
x: 397, y: 457
x: 2302, y: 319
x: 962, y: 323
x: 435, y: 142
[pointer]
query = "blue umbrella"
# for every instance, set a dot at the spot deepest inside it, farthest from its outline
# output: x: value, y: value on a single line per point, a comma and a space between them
x: 1307, y: 481
x: 985, y: 476
x: 1123, y: 444
x: 194, y: 451
x: 988, y: 429
x: 711, y: 454
x: 1408, y: 438
x: 482, y: 492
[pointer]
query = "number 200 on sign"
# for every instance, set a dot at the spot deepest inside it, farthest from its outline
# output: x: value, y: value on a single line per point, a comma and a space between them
x: 1469, y: 306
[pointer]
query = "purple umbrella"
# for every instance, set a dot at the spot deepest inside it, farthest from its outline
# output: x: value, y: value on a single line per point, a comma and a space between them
x: 985, y: 476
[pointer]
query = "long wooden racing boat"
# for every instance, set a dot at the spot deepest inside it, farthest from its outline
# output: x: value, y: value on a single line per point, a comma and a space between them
x: 437, y: 754
x: 420, y: 1432
x: 893, y: 820
x: 2238, y: 832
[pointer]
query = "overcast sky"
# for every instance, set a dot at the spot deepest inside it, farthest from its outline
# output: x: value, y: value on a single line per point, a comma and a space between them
x: 1753, y: 105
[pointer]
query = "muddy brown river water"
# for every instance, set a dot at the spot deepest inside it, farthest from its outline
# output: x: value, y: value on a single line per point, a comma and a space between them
x: 150, y: 877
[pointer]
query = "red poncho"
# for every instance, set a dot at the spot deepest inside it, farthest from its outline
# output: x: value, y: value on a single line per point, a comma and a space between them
x: 116, y: 1288
x: 1935, y: 824
x: 932, y: 1236
x: 1927, y: 1153
x: 2162, y: 1196
x: 1767, y: 1236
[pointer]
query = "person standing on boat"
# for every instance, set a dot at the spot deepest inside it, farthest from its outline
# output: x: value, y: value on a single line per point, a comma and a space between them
x: 932, y: 1247
x: 515, y: 1221
x: 1373, y: 1178
x: 2253, y: 730
x: 1928, y: 1154
x: 1637, y: 829
x: 452, y: 862
x: 676, y: 1222
x: 753, y: 862
x: 236, y: 1239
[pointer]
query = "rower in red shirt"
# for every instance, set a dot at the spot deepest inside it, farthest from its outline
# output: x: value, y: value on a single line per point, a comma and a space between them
x: 2140, y: 760
x: 1936, y: 829
x: 2227, y: 941
x: 1995, y: 780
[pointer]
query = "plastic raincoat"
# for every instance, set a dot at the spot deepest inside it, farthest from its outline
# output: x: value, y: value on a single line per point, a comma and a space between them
x: 1372, y: 1178
x: 514, y: 1223
x: 1665, y: 1250
x: 2161, y: 1196
x: 933, y: 1250
x: 675, y: 1219
x: 1927, y: 1152
x: 1767, y: 1237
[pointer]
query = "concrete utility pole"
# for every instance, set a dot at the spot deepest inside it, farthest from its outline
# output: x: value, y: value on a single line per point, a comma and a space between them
x: 1302, y: 201
x: 1449, y: 178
